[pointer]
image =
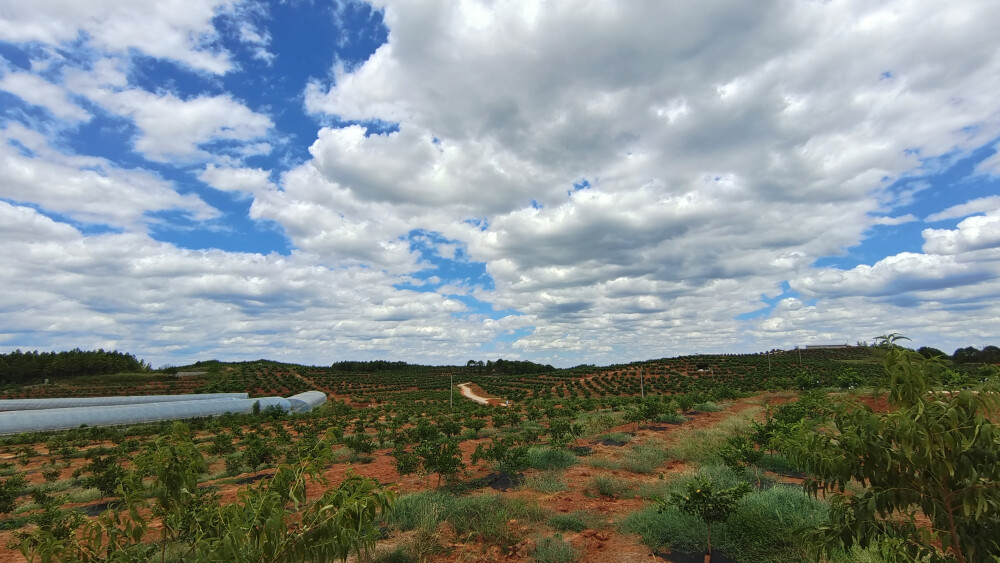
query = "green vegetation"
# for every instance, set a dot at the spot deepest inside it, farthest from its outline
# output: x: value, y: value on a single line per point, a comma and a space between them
x: 555, y: 550
x: 163, y: 484
x: 933, y: 451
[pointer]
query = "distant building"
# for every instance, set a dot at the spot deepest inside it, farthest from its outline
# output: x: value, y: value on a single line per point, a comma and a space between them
x: 827, y: 346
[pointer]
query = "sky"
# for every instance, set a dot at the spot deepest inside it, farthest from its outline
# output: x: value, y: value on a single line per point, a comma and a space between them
x: 565, y: 182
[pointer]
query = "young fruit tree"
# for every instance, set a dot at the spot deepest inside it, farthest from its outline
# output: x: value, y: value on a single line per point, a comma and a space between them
x: 928, y: 467
x: 705, y: 501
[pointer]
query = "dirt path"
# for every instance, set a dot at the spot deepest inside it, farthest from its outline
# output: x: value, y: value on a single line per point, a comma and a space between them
x: 470, y: 394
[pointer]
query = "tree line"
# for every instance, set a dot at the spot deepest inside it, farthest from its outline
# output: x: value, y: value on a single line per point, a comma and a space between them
x: 967, y: 355
x: 20, y: 367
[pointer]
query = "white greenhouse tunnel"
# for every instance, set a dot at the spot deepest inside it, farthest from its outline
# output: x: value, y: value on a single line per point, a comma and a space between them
x: 69, y: 402
x: 64, y: 414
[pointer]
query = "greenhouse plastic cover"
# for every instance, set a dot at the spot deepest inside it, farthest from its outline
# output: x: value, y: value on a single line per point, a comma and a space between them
x: 307, y: 401
x: 69, y: 402
x: 14, y: 422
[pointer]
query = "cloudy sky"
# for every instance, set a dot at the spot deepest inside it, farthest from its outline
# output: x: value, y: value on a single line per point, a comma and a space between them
x: 567, y: 182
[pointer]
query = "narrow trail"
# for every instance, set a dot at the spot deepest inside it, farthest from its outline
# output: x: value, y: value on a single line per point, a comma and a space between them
x: 468, y: 393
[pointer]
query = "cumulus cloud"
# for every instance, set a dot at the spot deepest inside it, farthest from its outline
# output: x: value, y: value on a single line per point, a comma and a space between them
x: 175, y: 128
x: 229, y: 179
x: 180, y: 30
x: 635, y: 178
x: 153, y: 298
x: 975, y: 233
x: 40, y: 92
x: 85, y: 189
x: 714, y: 155
x: 972, y: 207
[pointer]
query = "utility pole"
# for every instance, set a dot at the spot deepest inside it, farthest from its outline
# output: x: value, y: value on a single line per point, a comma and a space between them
x: 642, y: 389
x: 451, y: 397
x: 800, y: 355
x: 768, y: 361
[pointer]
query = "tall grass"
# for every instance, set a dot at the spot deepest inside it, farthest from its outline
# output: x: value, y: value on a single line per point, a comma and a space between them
x: 609, y: 486
x: 644, y: 459
x: 555, y: 550
x: 485, y: 517
x: 765, y: 528
x: 545, y: 482
x: 701, y: 445
x: 550, y: 458
x: 577, y: 521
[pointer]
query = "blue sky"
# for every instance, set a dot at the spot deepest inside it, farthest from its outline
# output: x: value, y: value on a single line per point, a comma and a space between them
x: 562, y: 182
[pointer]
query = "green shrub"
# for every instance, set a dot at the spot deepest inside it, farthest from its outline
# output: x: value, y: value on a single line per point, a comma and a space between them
x: 764, y: 526
x: 549, y: 458
x: 555, y: 550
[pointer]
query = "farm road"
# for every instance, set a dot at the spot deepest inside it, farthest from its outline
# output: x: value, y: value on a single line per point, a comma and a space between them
x: 470, y: 394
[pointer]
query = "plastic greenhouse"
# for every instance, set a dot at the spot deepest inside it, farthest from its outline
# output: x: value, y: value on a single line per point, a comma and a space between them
x: 63, y: 414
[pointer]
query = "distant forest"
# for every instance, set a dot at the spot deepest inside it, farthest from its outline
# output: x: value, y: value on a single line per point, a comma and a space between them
x: 967, y: 355
x: 21, y: 367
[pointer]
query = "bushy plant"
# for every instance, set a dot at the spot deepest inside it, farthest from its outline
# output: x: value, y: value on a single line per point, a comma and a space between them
x: 935, y: 453
x: 709, y: 503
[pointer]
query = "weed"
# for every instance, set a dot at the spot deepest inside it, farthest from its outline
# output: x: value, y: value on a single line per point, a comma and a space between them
x: 708, y: 406
x: 549, y: 458
x: 609, y: 486
x: 644, y: 459
x: 619, y: 438
x: 493, y: 518
x: 545, y: 482
x: 555, y: 550
x: 576, y: 521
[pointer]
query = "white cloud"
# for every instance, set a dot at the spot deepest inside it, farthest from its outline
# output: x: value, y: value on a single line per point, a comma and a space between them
x: 172, y: 128
x: 87, y: 189
x: 991, y: 164
x: 40, y: 92
x: 152, y: 298
x: 974, y: 233
x: 250, y: 180
x: 722, y: 158
x: 180, y: 30
x: 972, y: 207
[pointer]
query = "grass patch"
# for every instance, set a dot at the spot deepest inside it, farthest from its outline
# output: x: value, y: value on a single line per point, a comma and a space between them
x: 425, y: 508
x: 488, y: 517
x: 577, y: 521
x: 701, y: 445
x: 777, y: 463
x: 83, y: 495
x: 764, y: 527
x: 609, y: 486
x: 644, y: 459
x: 550, y: 458
x: 619, y: 437
x: 708, y: 406
x: 555, y: 550
x: 399, y: 554
x: 545, y: 482
x: 671, y: 418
